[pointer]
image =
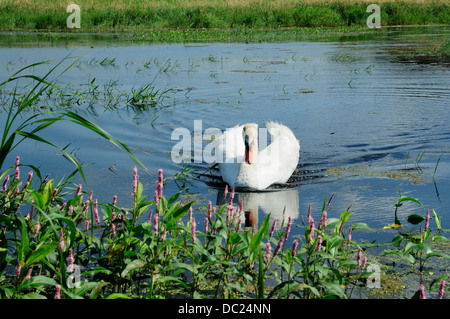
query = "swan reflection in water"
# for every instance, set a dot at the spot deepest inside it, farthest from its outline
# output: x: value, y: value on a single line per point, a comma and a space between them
x: 276, y: 203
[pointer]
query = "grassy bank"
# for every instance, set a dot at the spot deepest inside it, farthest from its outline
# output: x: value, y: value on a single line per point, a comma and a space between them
x: 216, y: 14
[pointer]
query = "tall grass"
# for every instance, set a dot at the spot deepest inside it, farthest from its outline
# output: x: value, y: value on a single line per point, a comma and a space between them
x: 118, y: 15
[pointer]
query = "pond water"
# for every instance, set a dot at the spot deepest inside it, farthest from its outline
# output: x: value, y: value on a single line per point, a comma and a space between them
x: 371, y: 119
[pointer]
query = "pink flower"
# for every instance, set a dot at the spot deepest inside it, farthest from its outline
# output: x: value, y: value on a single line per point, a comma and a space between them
x: 331, y: 198
x: 114, y: 202
x: 190, y: 213
x: 27, y: 183
x: 71, y: 260
x: 308, y: 216
x: 288, y: 228
x: 231, y: 196
x: 225, y: 192
x: 364, y: 261
x: 156, y: 222
x: 55, y: 191
x: 150, y: 216
x: 294, y: 248
x: 58, y: 292
x: 280, y: 243
x: 17, y: 168
x: 311, y: 229
x: 18, y: 270
x: 86, y: 228
x: 5, y: 182
x: 160, y: 183
x: 268, y: 251
x: 206, y: 224
x: 163, y: 236
x: 441, y: 289
x: 323, y: 220
x: 61, y: 240
x: 37, y: 227
x: 28, y: 276
x: 358, y: 257
x: 97, y: 218
x: 273, y: 227
x: 422, y: 292
x: 79, y: 190
x: 135, y: 179
x: 193, y: 230
x: 349, y: 237
x: 427, y: 220
x: 156, y: 197
x: 70, y: 210
x: 319, y: 243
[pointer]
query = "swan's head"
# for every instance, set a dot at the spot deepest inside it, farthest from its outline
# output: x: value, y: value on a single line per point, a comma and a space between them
x: 250, y: 135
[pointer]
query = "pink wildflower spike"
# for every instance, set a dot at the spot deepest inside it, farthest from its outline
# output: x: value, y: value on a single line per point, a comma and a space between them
x: 331, y: 198
x: 294, y: 248
x: 190, y: 213
x: 323, y: 220
x: 225, y: 192
x: 61, y: 240
x: 268, y: 251
x: 70, y: 210
x: 280, y: 243
x: 97, y: 217
x: 206, y: 224
x: 58, y: 292
x: 160, y: 183
x: 364, y: 261
x: 193, y: 225
x: 86, y: 228
x: 17, y: 170
x: 55, y: 191
x: 150, y: 216
x: 311, y: 229
x: 156, y: 197
x: 27, y: 183
x: 273, y: 227
x: 319, y: 243
x: 422, y: 292
x: 28, y: 276
x: 79, y: 190
x: 37, y: 228
x: 135, y: 179
x: 71, y: 260
x: 209, y: 208
x: 231, y: 196
x: 63, y: 206
x: 156, y: 223
x: 164, y: 234
x: 238, y: 227
x: 308, y: 216
x: 349, y: 237
x: 358, y: 257
x: 427, y: 220
x: 288, y: 228
x: 5, y: 183
x: 90, y: 196
x: 18, y: 270
x: 441, y: 289
x: 114, y: 202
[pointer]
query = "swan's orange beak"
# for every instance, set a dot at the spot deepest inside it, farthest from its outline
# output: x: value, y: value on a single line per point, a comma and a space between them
x: 249, y: 153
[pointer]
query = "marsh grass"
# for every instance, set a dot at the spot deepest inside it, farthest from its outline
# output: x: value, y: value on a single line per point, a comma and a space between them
x: 230, y: 14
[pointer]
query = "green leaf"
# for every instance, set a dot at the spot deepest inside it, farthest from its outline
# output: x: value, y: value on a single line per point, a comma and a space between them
x: 438, y: 254
x: 406, y: 198
x: 38, y: 281
x: 414, y: 219
x: 24, y: 243
x: 361, y: 226
x: 133, y: 266
x: 40, y: 253
x: 118, y: 296
x: 257, y: 238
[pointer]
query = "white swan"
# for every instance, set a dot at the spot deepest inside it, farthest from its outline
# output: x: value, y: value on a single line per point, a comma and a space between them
x: 242, y: 164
